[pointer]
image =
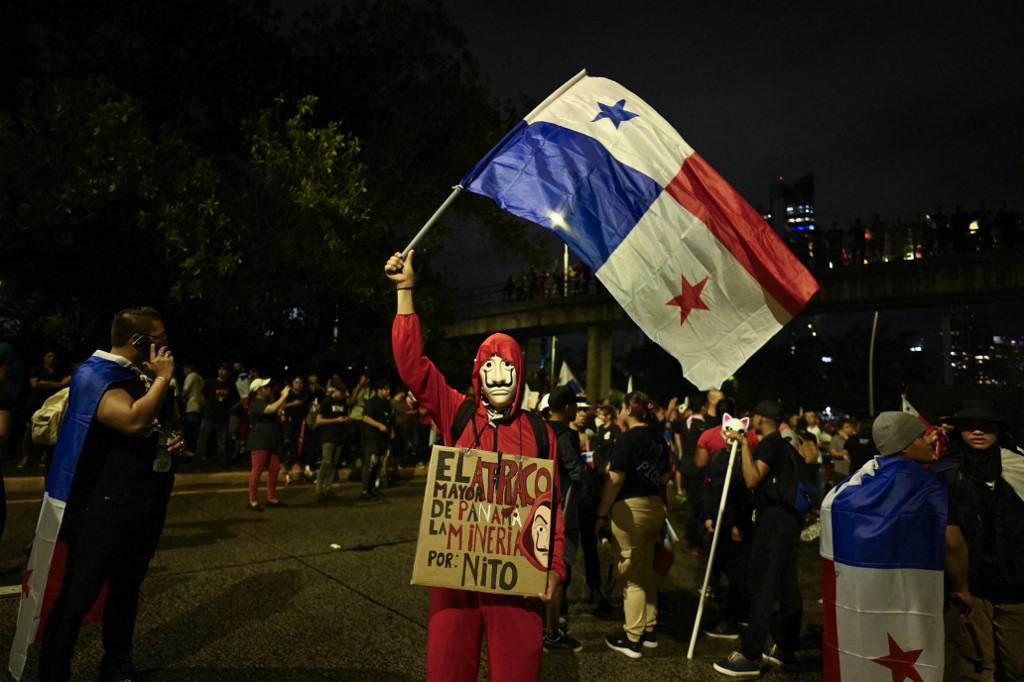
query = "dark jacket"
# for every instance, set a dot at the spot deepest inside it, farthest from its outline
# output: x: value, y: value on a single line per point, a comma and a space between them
x: 990, y: 513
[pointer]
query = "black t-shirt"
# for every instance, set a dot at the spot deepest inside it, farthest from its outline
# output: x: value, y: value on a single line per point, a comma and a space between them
x: 861, y: 449
x: 264, y: 429
x: 220, y: 397
x: 770, y: 450
x: 296, y: 413
x: 40, y: 394
x: 115, y: 464
x: 330, y: 409
x: 373, y: 439
x: 642, y: 455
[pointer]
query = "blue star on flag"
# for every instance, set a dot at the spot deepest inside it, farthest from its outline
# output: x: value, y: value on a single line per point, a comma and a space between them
x: 616, y: 114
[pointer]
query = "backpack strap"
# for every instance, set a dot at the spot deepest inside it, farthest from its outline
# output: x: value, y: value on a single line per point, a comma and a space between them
x: 462, y: 417
x: 540, y: 434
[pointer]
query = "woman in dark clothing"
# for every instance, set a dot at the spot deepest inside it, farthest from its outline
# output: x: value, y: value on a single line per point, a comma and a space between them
x: 295, y: 412
x: 264, y: 440
x: 633, y: 499
x: 985, y: 473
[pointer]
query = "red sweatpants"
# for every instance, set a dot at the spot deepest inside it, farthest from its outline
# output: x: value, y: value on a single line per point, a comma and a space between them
x: 514, y: 627
x: 259, y: 463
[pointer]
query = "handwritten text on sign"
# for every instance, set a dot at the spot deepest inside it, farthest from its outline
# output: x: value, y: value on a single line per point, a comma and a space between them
x: 486, y: 522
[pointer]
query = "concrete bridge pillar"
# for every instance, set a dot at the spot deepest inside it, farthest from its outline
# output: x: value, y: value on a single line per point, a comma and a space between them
x: 532, y: 353
x: 599, y: 363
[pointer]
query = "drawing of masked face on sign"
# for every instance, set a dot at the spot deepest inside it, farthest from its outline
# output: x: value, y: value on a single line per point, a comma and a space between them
x: 535, y: 540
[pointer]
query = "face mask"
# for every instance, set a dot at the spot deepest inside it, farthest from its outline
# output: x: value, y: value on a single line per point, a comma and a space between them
x: 498, y: 382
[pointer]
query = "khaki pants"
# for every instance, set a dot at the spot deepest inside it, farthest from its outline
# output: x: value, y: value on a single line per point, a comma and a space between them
x: 636, y: 523
x: 992, y: 643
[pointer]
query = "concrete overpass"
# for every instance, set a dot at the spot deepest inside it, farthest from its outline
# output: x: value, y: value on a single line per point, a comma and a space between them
x: 974, y: 278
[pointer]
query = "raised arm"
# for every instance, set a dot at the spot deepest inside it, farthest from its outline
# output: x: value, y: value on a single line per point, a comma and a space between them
x: 402, y: 274
x: 118, y: 411
x: 416, y: 370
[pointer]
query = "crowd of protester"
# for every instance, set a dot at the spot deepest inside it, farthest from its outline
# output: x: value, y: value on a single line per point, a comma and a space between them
x: 836, y: 246
x: 936, y: 234
x: 535, y: 284
x: 626, y: 464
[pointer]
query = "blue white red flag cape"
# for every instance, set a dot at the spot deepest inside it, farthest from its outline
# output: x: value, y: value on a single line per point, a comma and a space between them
x: 882, y: 561
x: 694, y: 265
x: 42, y: 579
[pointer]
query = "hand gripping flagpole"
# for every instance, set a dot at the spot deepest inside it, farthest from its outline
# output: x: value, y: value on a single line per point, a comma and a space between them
x: 714, y: 545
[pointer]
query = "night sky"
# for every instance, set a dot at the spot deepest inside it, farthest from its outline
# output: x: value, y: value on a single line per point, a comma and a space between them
x: 896, y: 107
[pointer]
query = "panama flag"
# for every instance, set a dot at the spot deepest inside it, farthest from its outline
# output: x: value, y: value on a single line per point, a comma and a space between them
x: 567, y: 378
x: 42, y: 578
x: 882, y: 552
x: 691, y: 262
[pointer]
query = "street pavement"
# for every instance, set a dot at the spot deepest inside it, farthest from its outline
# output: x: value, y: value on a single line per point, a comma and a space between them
x: 313, y: 592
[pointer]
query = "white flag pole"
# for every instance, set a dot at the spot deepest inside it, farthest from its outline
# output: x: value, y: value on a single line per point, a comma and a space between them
x: 458, y: 188
x: 433, y: 219
x: 714, y: 545
x: 555, y: 95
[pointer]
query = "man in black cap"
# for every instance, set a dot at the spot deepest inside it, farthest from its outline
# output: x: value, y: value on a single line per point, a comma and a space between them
x: 985, y: 475
x: 563, y: 404
x: 775, y: 544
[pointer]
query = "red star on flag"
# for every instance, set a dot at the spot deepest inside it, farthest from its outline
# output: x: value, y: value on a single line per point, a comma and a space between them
x: 689, y: 299
x: 901, y: 663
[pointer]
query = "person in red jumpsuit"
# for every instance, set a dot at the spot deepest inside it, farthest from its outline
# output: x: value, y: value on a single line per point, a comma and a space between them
x: 513, y: 624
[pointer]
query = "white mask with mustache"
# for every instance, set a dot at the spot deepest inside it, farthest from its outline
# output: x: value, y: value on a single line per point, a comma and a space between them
x: 498, y: 382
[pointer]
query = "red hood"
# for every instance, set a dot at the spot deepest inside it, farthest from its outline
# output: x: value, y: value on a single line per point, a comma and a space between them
x: 505, y: 347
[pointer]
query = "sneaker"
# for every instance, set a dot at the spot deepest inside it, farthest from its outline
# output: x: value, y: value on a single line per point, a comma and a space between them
x: 621, y: 643
x: 778, y: 657
x: 255, y: 506
x: 561, y: 641
x: 738, y: 665
x: 649, y: 639
x: 722, y: 630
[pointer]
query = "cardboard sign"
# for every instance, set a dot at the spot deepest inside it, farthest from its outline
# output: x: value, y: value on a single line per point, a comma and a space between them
x: 486, y: 524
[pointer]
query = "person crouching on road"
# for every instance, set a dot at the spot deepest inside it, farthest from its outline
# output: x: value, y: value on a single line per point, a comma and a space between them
x: 264, y: 440
x: 632, y: 497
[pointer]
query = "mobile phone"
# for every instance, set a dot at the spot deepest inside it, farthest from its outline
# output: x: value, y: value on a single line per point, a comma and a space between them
x: 142, y: 344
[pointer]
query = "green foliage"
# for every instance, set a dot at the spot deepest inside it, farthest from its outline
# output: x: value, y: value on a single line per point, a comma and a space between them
x: 245, y: 174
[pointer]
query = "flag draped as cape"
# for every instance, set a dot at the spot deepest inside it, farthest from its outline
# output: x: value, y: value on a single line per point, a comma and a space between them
x: 42, y: 579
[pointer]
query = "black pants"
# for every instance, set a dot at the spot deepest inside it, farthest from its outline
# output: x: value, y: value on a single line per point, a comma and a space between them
x: 112, y: 541
x: 588, y: 541
x: 732, y: 559
x: 694, y: 530
x: 775, y: 545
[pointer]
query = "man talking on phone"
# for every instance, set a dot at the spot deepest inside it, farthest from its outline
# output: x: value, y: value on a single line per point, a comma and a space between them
x: 114, y: 450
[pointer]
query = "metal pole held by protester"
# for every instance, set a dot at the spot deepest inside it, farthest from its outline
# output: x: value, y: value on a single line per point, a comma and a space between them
x: 714, y: 545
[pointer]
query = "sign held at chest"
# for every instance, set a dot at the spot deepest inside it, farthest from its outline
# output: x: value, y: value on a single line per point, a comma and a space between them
x: 487, y: 522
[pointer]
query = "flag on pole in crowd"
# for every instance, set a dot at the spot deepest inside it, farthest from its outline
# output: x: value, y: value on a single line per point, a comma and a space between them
x: 905, y: 406
x: 567, y: 378
x: 42, y: 578
x: 629, y: 384
x: 691, y: 262
x: 882, y: 554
